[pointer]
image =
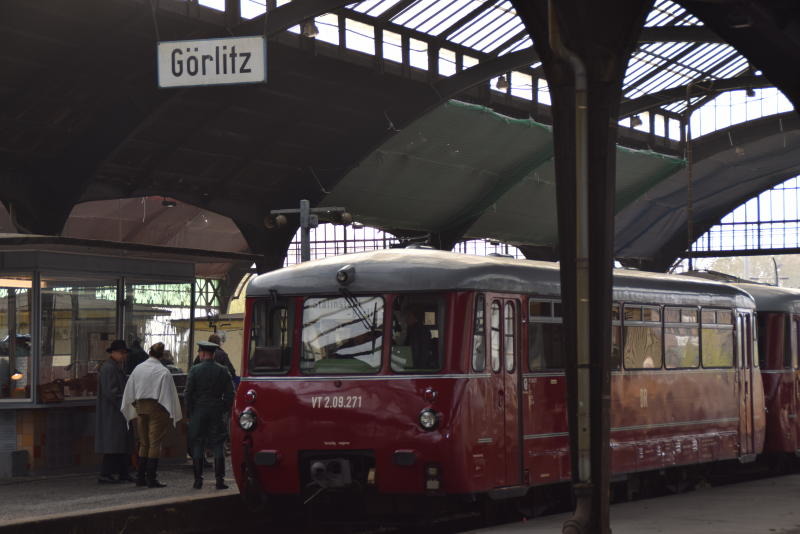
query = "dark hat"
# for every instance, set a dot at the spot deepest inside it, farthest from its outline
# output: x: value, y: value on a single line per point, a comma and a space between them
x: 117, y: 344
x: 207, y: 346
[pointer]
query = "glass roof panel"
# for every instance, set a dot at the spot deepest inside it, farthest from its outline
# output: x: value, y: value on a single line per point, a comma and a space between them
x: 442, y: 17
x: 737, y: 67
x: 668, y: 13
x: 523, y: 43
x: 412, y: 16
x: 653, y: 67
x: 373, y: 7
x: 483, y: 31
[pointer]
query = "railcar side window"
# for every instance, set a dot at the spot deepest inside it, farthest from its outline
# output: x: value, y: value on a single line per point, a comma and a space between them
x: 775, y: 340
x: 682, y: 338
x: 271, y: 336
x: 616, y: 326
x: 545, y: 346
x: 494, y: 336
x: 417, y: 333
x: 510, y: 334
x: 479, y: 335
x: 790, y: 348
x: 795, y: 340
x: 342, y: 335
x: 717, y: 338
x: 642, y: 335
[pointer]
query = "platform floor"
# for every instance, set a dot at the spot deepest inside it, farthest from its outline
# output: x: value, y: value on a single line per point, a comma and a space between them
x: 26, y: 500
x: 46, y: 504
x: 767, y: 506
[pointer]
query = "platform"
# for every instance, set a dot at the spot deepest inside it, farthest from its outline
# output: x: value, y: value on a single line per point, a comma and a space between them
x: 766, y: 506
x: 64, y: 503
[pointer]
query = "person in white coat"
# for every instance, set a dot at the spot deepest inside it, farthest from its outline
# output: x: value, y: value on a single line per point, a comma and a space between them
x: 151, y: 397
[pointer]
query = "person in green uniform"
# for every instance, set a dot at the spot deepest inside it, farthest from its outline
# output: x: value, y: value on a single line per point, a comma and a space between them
x: 209, y: 396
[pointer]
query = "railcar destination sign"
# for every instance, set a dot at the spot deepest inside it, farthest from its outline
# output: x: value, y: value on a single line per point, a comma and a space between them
x: 225, y: 61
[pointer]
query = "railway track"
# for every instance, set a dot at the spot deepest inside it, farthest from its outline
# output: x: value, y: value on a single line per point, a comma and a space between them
x: 438, y: 520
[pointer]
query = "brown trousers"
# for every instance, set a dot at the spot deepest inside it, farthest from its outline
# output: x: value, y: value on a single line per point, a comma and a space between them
x: 152, y: 424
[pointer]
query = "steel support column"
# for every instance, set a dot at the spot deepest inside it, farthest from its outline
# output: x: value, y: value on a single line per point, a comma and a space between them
x: 585, y: 64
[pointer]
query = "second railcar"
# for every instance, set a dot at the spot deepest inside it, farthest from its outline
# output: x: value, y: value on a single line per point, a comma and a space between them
x: 427, y: 372
x: 778, y: 312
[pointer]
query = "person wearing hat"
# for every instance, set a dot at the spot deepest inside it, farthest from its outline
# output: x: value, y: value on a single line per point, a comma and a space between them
x: 112, y: 438
x: 209, y: 396
x: 220, y: 356
x: 151, y: 398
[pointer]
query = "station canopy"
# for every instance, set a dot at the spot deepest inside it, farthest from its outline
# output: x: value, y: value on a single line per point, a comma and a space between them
x: 424, y: 139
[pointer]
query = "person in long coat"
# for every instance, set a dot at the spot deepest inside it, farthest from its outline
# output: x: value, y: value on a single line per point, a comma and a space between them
x: 112, y: 437
x: 209, y: 396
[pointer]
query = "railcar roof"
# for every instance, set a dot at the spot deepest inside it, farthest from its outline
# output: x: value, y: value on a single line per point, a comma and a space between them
x: 771, y: 298
x: 420, y: 270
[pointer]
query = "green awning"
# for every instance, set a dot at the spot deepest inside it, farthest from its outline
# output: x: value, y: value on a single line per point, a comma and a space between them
x: 465, y: 164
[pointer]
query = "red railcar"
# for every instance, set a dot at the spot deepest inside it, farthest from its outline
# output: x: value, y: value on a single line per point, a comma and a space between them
x: 427, y: 372
x: 778, y: 330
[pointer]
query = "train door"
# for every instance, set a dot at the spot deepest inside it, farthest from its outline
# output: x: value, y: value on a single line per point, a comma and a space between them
x: 504, y: 337
x: 513, y: 394
x: 745, y: 380
x: 498, y: 391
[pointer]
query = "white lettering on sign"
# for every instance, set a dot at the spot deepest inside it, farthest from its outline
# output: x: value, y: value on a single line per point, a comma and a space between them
x: 337, y: 401
x: 212, y: 62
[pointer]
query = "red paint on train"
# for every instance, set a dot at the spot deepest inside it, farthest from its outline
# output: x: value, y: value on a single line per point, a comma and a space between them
x: 502, y: 427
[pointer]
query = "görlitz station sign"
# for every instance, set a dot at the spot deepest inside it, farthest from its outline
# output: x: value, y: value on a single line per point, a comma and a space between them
x: 226, y: 61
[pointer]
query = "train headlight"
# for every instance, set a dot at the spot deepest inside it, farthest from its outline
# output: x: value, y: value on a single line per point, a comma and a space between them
x: 428, y: 419
x: 247, y: 419
x: 346, y: 275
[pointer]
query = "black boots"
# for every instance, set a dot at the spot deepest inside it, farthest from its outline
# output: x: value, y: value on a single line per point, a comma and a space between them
x: 141, y: 472
x: 198, y: 472
x: 151, y: 474
x: 219, y: 472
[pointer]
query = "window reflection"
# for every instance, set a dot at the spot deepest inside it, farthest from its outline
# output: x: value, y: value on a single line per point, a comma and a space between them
x: 342, y: 335
x: 15, y: 338
x: 79, y: 321
x: 160, y: 312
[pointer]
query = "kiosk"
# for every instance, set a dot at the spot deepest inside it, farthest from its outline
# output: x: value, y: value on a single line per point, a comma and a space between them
x: 62, y: 302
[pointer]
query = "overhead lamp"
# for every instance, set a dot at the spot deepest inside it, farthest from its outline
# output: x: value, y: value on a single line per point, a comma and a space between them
x: 750, y: 92
x: 168, y: 203
x: 16, y: 375
x: 340, y: 217
x: 275, y: 221
x: 739, y: 20
x: 502, y: 83
x: 309, y: 29
x: 636, y: 121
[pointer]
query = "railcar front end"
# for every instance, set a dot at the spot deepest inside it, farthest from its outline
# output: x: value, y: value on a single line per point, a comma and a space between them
x: 348, y: 391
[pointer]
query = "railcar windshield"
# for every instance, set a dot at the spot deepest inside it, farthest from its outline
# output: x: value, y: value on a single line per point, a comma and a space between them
x: 342, y: 335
